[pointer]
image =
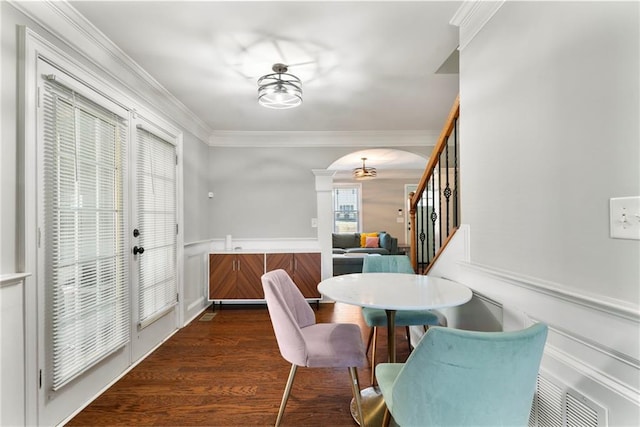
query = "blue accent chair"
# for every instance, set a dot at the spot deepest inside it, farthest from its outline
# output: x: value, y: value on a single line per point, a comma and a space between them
x: 375, y: 317
x: 465, y: 378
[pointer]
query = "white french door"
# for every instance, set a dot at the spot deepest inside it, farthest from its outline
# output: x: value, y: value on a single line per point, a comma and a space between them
x: 105, y: 183
x: 154, y: 238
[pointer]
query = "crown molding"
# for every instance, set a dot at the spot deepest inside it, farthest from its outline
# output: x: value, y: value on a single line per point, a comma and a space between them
x: 472, y: 16
x: 323, y: 138
x: 64, y: 22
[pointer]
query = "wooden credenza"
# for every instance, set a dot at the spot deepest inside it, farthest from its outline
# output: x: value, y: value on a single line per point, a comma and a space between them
x: 236, y: 276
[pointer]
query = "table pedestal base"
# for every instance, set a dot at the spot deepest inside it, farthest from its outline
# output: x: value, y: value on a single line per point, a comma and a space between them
x: 373, y: 407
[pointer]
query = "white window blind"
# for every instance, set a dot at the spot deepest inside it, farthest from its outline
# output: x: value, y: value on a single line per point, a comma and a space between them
x: 346, y: 208
x: 156, y: 173
x: 84, y: 149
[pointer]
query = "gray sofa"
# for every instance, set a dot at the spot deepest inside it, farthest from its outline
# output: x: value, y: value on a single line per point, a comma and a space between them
x: 348, y: 253
x: 344, y: 243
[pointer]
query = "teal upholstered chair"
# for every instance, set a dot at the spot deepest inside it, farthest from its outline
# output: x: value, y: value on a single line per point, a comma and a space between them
x: 375, y: 317
x: 465, y: 378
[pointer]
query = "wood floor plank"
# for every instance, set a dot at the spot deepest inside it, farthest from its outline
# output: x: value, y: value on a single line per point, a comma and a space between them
x: 229, y: 372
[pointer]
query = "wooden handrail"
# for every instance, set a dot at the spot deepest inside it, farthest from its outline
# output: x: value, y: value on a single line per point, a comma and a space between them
x: 444, y: 245
x: 437, y: 150
x: 415, y: 197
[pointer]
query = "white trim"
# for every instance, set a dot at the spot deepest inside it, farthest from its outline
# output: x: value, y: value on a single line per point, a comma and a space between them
x: 64, y: 22
x: 28, y: 47
x: 421, y: 138
x: 596, y: 375
x: 31, y: 47
x: 10, y: 279
x: 472, y: 16
x: 592, y: 345
x: 195, y: 304
x: 601, y: 303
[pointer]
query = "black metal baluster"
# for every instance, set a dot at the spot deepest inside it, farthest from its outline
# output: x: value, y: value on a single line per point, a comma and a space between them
x: 447, y: 190
x: 434, y: 217
x: 423, y: 238
x: 440, y: 196
x: 456, y: 197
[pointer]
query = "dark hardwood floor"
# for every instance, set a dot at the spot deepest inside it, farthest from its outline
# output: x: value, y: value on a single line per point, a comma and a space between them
x: 229, y: 372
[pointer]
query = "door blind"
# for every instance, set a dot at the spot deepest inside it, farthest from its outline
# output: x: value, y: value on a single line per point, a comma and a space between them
x: 156, y: 174
x: 84, y: 148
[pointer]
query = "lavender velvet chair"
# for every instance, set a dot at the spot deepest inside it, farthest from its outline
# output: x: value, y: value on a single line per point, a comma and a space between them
x: 303, y: 342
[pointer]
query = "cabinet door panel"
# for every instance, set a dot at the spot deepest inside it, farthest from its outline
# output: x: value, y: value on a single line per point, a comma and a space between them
x: 250, y: 267
x: 222, y: 277
x: 283, y: 261
x: 307, y: 273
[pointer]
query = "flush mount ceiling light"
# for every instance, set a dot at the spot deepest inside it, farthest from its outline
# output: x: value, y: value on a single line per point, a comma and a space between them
x: 279, y: 90
x: 364, y: 172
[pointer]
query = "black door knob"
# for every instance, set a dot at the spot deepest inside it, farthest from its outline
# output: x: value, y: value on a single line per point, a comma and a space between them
x: 138, y: 250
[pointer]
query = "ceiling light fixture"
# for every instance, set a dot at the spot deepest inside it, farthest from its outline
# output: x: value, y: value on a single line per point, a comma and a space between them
x: 364, y: 172
x: 279, y: 90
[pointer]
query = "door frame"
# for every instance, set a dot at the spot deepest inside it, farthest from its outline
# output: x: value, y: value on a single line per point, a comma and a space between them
x: 40, y: 405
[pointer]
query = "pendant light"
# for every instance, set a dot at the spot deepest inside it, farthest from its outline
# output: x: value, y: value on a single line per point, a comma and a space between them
x: 364, y: 172
x: 279, y: 90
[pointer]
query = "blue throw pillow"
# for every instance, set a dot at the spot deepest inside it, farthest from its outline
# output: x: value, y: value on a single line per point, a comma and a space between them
x: 385, y: 240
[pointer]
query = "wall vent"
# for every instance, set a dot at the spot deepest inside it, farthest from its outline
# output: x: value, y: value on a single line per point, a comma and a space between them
x: 546, y: 410
x: 580, y: 411
x: 556, y: 405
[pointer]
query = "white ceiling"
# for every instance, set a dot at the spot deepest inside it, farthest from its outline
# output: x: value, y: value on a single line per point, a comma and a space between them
x: 365, y: 66
x: 390, y: 163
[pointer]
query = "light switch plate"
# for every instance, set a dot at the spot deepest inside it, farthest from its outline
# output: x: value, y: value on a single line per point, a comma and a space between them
x: 624, y: 218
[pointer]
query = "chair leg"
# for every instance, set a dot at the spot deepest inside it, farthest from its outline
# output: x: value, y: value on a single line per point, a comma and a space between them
x: 285, y: 395
x: 355, y: 385
x: 386, y: 418
x: 406, y: 331
x: 369, y: 340
x: 374, y: 345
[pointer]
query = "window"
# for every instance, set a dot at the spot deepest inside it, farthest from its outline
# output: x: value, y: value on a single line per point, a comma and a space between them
x: 346, y: 208
x: 157, y: 222
x: 84, y: 147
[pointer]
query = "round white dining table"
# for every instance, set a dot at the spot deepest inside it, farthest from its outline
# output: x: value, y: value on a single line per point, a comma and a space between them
x: 391, y: 292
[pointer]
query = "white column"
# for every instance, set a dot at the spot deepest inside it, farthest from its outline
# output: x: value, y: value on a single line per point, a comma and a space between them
x: 324, y: 188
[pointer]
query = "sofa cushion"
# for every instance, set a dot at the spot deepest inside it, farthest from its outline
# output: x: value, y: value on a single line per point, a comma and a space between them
x: 363, y: 238
x: 372, y: 242
x: 385, y: 240
x: 346, y: 240
x: 379, y: 251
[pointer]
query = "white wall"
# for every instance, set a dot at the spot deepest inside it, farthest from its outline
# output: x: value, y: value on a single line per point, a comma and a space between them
x: 94, y: 55
x: 269, y: 192
x: 549, y: 132
x: 381, y: 199
x: 196, y: 188
x: 550, y: 102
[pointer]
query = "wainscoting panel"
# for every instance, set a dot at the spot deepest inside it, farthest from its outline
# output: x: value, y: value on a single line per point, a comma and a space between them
x: 590, y: 372
x: 195, y: 279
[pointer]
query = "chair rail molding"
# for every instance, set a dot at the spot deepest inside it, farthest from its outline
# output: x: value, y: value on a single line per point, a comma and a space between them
x: 593, y: 346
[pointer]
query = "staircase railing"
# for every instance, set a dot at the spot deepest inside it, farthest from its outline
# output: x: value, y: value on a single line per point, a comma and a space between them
x: 434, y: 207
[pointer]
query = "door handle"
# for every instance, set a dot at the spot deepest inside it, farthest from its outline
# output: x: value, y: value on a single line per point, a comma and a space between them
x: 138, y: 250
